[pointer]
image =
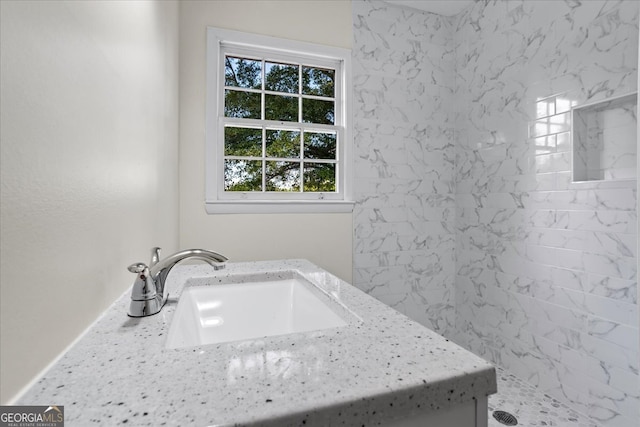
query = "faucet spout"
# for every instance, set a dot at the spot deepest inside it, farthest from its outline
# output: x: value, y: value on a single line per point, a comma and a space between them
x: 160, y: 271
x: 147, y: 294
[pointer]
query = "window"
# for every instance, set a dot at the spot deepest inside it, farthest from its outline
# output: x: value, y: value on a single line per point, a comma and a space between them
x: 278, y: 137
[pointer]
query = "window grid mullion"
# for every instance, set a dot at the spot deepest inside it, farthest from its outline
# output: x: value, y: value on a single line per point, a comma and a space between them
x: 301, y: 154
x: 299, y: 94
x: 263, y: 116
x: 301, y: 132
x: 302, y: 175
x: 318, y: 97
x: 278, y: 124
x: 281, y: 159
x: 264, y: 155
x: 242, y: 89
x: 275, y: 92
x: 262, y: 88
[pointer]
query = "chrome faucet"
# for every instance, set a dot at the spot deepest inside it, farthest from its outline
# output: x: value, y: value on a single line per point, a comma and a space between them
x: 147, y: 294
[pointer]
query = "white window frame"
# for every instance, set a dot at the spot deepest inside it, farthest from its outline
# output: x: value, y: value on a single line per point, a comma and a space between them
x: 221, y: 42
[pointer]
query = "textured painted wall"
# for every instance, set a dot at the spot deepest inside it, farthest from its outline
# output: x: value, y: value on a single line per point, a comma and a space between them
x: 404, y: 244
x: 546, y: 268
x: 89, y: 113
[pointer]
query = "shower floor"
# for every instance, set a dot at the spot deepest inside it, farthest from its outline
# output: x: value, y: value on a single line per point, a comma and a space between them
x: 531, y: 407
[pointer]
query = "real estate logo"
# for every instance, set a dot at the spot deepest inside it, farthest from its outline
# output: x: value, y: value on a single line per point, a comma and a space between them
x: 31, y: 416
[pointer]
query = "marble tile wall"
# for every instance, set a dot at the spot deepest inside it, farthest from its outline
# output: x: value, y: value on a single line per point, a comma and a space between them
x: 404, y: 218
x: 467, y: 219
x: 545, y: 268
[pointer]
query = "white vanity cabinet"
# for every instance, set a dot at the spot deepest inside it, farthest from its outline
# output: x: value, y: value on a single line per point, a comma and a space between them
x: 469, y: 414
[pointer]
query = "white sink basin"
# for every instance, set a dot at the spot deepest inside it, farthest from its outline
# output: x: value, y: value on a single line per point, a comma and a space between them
x: 257, y: 308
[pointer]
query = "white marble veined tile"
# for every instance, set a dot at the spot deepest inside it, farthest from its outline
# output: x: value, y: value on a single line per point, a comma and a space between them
x: 612, y: 375
x: 571, y: 279
x: 539, y: 309
x: 383, y: 214
x: 386, y: 19
x: 568, y: 258
x: 500, y: 200
x: 609, y: 352
x: 545, y: 144
x: 609, y: 405
x: 566, y: 239
x: 623, y: 199
x: 607, y: 330
x: 373, y: 200
x: 541, y: 254
x: 553, y: 162
x: 437, y: 316
x: 388, y: 278
x: 544, y: 218
x: 555, y: 124
x: 388, y: 150
x: 560, y: 353
x: 393, y: 243
x: 610, y: 309
x: 602, y: 220
x: 442, y: 224
x: 611, y: 287
x: 562, y: 200
x: 622, y: 268
x: 423, y: 187
x: 617, y: 244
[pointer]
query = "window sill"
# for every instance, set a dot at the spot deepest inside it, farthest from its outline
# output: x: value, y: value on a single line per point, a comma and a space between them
x: 278, y: 207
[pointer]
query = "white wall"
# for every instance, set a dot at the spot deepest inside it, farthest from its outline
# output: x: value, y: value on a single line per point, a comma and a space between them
x: 325, y: 239
x: 89, y: 135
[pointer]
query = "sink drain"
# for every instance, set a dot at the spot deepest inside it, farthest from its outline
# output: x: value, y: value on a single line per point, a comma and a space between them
x: 505, y: 418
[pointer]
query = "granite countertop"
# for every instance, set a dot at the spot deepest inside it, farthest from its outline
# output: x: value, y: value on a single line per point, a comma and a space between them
x: 380, y: 365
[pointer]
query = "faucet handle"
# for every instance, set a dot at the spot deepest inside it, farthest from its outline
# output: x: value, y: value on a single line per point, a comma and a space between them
x: 144, y: 293
x: 137, y: 267
x: 155, y: 256
x: 144, y: 287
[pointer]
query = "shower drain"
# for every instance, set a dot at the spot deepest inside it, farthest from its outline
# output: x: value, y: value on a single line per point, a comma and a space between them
x: 505, y: 418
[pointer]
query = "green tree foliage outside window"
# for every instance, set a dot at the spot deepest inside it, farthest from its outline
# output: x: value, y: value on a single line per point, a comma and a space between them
x: 267, y: 158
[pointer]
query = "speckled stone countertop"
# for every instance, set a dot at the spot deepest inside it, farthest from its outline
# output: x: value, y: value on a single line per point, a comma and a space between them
x: 380, y: 366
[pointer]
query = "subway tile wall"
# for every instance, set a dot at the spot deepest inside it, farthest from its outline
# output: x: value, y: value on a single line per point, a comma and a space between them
x: 467, y: 218
x: 546, y: 268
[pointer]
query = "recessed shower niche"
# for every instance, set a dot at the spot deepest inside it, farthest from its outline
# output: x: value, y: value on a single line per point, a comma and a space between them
x: 604, y: 136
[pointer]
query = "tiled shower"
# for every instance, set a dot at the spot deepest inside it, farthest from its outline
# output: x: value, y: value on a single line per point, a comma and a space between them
x: 468, y: 218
